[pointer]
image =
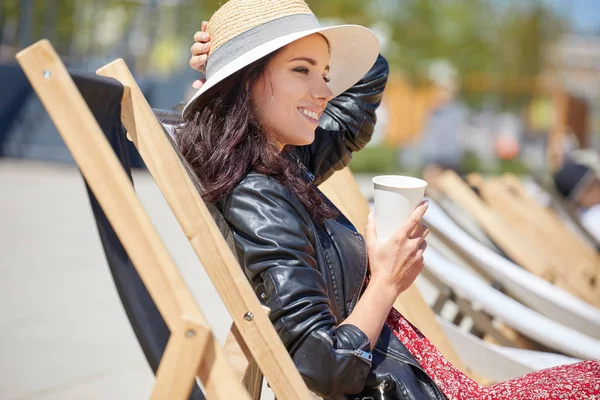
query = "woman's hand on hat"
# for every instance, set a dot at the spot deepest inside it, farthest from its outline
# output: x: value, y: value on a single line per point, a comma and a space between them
x: 395, y: 264
x: 199, y: 51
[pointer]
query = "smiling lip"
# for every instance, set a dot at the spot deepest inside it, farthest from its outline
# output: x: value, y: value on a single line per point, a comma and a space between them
x: 310, y: 115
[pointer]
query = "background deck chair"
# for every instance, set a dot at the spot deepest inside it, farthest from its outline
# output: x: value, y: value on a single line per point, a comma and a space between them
x: 512, y: 313
x: 519, y: 283
x: 191, y: 349
x: 517, y: 246
x: 509, y: 198
x: 461, y: 218
x: 572, y: 257
x: 564, y: 209
x: 499, y: 363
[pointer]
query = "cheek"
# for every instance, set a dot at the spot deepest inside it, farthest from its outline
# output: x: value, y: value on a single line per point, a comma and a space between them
x: 277, y: 103
x: 260, y: 100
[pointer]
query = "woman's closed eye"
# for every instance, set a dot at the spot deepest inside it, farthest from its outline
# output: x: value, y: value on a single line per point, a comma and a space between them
x: 302, y: 70
x: 306, y: 71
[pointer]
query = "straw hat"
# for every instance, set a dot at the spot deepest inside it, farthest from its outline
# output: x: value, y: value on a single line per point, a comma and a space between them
x: 244, y: 31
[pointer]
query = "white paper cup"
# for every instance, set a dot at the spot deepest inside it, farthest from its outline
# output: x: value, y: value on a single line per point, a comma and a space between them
x: 396, y: 197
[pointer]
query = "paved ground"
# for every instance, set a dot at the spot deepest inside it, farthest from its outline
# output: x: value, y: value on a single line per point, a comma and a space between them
x: 63, y: 331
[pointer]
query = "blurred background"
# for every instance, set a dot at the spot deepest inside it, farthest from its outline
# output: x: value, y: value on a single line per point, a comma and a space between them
x: 490, y: 86
x: 477, y: 85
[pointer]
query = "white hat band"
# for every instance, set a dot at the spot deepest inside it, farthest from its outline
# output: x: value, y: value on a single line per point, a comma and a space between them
x: 250, y: 39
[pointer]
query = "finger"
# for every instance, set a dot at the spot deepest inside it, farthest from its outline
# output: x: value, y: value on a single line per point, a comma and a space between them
x: 414, y: 219
x: 198, y: 49
x: 201, y: 37
x: 198, y: 62
x: 422, y: 238
x: 370, y: 229
x: 421, y: 250
x: 198, y: 83
x: 419, y: 232
x: 204, y: 26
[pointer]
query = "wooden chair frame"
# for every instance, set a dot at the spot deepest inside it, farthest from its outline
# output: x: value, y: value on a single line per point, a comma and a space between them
x: 192, y: 350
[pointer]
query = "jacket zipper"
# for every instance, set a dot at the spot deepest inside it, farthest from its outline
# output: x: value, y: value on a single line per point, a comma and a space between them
x: 303, y: 168
x: 363, y: 355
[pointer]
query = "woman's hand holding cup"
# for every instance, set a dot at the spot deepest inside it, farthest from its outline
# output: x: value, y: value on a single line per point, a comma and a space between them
x: 396, y: 263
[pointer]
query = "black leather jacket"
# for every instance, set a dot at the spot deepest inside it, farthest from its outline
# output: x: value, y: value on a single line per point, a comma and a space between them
x: 311, y: 275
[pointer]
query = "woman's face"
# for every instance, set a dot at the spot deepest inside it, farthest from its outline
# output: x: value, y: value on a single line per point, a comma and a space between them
x: 290, y: 97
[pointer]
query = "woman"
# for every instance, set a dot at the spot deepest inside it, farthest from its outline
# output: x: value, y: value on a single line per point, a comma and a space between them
x: 275, y: 117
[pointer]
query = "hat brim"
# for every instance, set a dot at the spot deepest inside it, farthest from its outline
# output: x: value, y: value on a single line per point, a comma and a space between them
x: 353, y: 51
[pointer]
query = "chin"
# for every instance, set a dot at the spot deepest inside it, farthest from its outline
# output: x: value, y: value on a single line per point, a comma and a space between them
x: 304, y: 139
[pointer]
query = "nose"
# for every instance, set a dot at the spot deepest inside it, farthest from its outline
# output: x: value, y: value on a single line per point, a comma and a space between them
x: 321, y: 91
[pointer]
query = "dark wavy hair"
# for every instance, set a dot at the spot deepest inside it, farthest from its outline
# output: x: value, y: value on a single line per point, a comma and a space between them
x: 222, y: 141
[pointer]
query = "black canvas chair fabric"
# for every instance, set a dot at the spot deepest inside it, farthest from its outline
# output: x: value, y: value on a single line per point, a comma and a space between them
x: 103, y: 96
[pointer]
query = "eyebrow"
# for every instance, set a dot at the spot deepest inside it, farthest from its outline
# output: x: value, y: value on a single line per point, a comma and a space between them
x: 309, y: 60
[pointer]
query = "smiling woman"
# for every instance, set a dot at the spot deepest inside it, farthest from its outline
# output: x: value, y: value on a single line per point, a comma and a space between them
x: 296, y: 79
x: 253, y: 119
x: 286, y: 102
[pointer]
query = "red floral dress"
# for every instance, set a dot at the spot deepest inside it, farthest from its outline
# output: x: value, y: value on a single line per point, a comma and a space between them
x: 579, y: 381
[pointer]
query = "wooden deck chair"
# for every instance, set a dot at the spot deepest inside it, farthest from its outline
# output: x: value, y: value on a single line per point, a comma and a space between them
x: 511, y: 279
x: 513, y: 242
x: 575, y: 261
x: 482, y: 324
x: 192, y: 350
x: 514, y: 314
x: 549, y: 222
x: 145, y: 132
x: 461, y: 217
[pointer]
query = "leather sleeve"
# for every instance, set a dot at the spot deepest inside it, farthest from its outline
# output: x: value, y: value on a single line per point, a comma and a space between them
x: 346, y: 125
x: 276, y: 246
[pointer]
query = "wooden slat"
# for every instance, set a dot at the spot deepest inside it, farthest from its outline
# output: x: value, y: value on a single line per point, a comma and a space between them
x: 177, y: 370
x: 503, y: 235
x: 206, y: 239
x: 550, y: 224
x: 110, y: 184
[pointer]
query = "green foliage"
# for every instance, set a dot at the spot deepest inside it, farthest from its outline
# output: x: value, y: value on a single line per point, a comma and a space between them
x: 470, y: 163
x: 499, y: 38
x: 375, y: 159
x: 515, y: 166
x: 385, y: 160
